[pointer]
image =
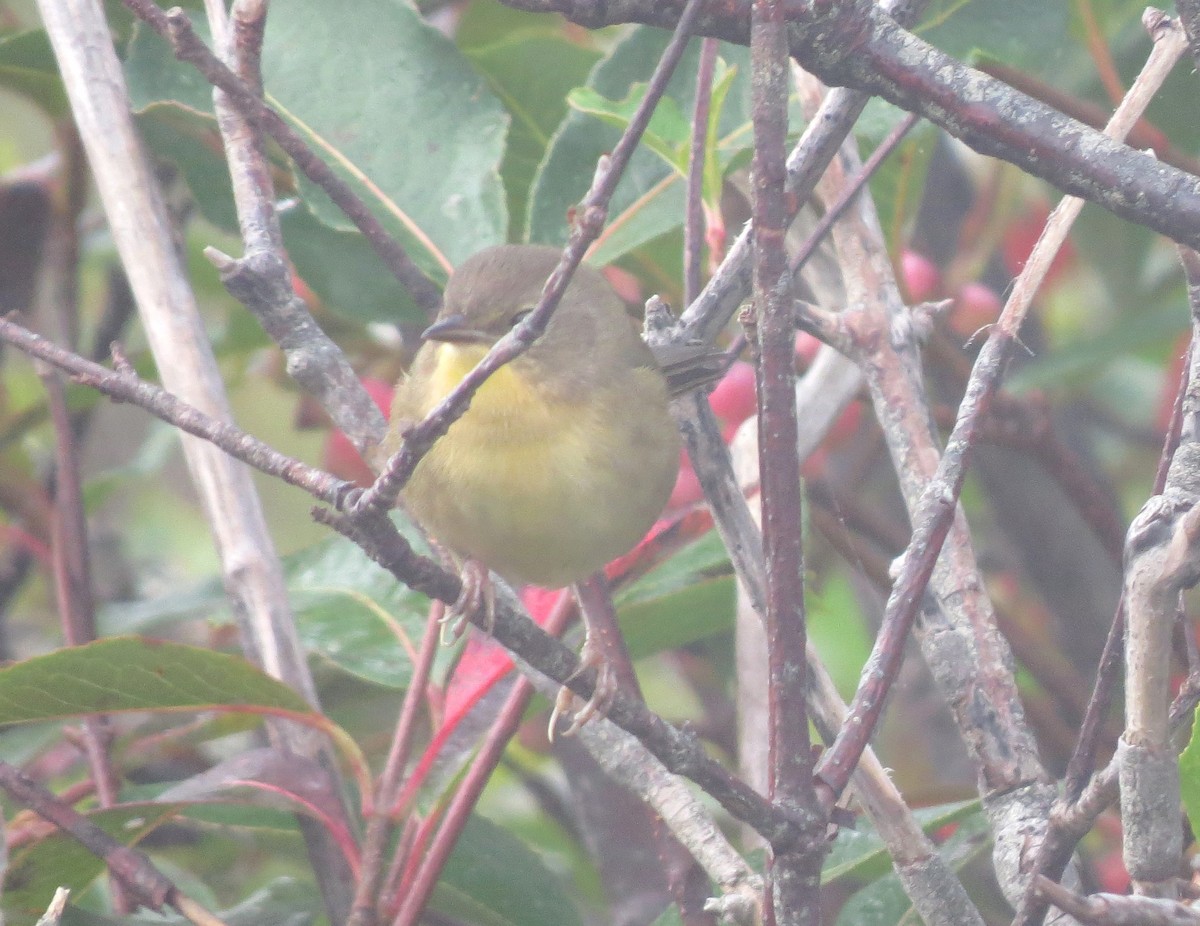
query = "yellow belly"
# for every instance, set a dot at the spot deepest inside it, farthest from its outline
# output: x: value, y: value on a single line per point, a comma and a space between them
x: 545, y: 492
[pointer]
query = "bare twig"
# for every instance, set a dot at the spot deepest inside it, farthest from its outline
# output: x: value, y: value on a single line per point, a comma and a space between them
x: 678, y: 750
x: 416, y: 893
x: 935, y: 516
x: 261, y: 279
x: 1162, y: 559
x: 123, y: 385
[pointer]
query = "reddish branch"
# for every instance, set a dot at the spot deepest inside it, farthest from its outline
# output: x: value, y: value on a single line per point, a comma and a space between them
x: 794, y: 896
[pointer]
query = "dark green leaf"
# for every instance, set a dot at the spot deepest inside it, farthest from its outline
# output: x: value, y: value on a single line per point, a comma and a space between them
x: 190, y: 140
x: 154, y: 75
x: 531, y: 71
x: 687, y: 598
x: 1189, y: 776
x: 860, y: 855
x: 136, y: 674
x: 884, y: 902
x: 283, y: 902
x: 399, y: 113
x: 566, y: 172
x: 355, y: 614
x: 494, y: 879
x: 344, y: 270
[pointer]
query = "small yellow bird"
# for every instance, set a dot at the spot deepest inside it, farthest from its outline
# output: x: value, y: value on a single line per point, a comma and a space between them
x: 567, y: 454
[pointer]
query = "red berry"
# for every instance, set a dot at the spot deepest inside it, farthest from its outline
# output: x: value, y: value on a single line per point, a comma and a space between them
x: 922, y: 279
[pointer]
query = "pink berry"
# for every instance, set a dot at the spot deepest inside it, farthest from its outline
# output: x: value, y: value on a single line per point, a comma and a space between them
x: 922, y: 279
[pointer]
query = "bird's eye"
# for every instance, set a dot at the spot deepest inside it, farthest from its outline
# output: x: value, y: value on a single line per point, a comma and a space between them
x: 520, y: 317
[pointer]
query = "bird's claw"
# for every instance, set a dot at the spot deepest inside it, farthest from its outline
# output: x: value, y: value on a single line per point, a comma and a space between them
x: 476, y: 600
x: 603, y: 693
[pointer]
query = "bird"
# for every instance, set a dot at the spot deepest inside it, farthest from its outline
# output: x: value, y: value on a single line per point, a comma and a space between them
x: 567, y: 454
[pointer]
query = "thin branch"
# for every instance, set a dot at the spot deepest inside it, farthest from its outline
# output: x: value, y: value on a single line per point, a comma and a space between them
x: 680, y: 751
x: 1162, y: 559
x: 419, y: 889
x: 262, y: 280
x: 935, y: 515
x: 74, y: 590
x: 1061, y: 838
x: 380, y: 827
x: 123, y: 385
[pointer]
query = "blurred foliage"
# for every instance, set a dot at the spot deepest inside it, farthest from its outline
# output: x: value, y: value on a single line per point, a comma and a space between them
x: 482, y: 125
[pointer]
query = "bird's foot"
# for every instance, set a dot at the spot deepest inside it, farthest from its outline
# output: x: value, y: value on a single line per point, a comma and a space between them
x: 476, y: 603
x: 605, y: 690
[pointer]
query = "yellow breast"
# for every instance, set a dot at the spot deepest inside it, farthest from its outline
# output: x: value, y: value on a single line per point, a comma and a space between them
x: 537, y: 488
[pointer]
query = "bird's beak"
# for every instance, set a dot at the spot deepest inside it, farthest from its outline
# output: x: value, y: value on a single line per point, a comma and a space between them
x: 455, y: 329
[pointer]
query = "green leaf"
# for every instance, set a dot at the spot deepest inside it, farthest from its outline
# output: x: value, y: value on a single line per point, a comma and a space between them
x: 1086, y: 360
x: 648, y: 201
x: 355, y: 614
x: 420, y: 143
x: 531, y: 71
x: 494, y: 879
x: 861, y: 855
x: 667, y: 135
x: 687, y: 598
x: 137, y: 674
x: 837, y: 629
x: 27, y: 67
x: 670, y: 917
x: 123, y: 674
x: 348, y: 610
x: 154, y: 75
x: 343, y: 269
x: 1189, y: 775
x: 60, y: 861
x: 190, y: 140
x: 398, y: 112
